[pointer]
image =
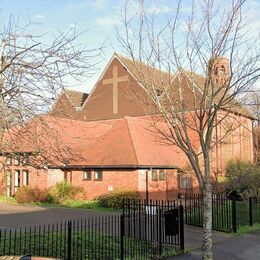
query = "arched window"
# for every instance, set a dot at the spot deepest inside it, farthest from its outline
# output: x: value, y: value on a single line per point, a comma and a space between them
x: 223, y: 71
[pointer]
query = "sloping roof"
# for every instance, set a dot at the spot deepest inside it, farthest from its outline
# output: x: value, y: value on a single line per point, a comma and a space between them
x: 57, y: 140
x: 130, y: 142
x: 158, y: 77
x: 125, y: 142
x: 233, y: 106
x: 77, y: 98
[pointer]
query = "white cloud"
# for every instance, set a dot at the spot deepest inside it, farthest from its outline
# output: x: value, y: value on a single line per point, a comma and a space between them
x: 39, y: 16
x: 76, y: 6
x: 159, y: 10
x: 99, y: 4
x: 108, y: 20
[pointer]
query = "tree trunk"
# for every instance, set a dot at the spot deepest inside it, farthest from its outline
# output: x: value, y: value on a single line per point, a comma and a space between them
x: 207, y: 213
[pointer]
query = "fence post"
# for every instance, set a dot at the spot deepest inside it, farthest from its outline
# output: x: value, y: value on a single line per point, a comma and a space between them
x: 250, y: 212
x: 181, y: 228
x: 234, y: 216
x: 160, y: 230
x: 69, y: 240
x: 122, y: 233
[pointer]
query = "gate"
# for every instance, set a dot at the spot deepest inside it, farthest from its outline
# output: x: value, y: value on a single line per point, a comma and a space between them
x: 157, y: 225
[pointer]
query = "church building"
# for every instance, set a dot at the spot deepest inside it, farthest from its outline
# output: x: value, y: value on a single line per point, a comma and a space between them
x: 105, y: 141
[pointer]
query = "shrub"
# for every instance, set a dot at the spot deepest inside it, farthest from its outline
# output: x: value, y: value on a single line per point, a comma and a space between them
x: 30, y: 194
x: 115, y: 199
x: 64, y: 191
x: 243, y: 179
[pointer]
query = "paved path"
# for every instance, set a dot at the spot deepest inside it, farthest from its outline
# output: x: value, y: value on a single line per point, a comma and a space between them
x: 20, y: 216
x: 193, y: 237
x: 244, y: 247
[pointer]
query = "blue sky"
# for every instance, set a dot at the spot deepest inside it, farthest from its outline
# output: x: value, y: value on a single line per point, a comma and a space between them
x: 99, y: 17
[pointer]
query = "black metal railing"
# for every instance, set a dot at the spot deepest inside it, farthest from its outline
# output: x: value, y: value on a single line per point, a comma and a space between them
x: 138, y: 233
x: 159, y: 223
x: 227, y: 214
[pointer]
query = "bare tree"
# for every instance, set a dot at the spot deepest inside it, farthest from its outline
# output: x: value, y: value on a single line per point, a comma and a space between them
x: 192, y: 105
x: 34, y: 69
x: 254, y: 105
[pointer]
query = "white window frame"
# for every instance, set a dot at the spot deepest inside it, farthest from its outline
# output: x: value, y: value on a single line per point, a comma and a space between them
x: 25, y: 177
x: 96, y: 172
x: 87, y: 175
x: 17, y: 179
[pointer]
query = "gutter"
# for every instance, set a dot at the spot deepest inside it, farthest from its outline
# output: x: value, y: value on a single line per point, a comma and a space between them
x: 110, y: 167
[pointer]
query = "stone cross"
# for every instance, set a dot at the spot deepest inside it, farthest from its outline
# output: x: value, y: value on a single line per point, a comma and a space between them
x: 114, y: 80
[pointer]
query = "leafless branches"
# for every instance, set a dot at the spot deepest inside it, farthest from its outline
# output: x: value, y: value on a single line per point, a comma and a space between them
x: 177, y: 61
x: 33, y: 71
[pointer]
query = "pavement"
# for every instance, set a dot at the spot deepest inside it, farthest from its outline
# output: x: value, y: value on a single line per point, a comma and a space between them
x: 24, y: 216
x: 193, y: 237
x: 243, y: 247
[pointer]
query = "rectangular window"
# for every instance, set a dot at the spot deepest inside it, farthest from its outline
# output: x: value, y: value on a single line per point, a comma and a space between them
x: 25, y: 177
x: 98, y: 175
x: 87, y: 175
x: 16, y: 161
x: 16, y: 180
x: 185, y: 181
x: 154, y: 175
x: 162, y: 175
x: 9, y: 182
x: 25, y: 160
x: 8, y: 161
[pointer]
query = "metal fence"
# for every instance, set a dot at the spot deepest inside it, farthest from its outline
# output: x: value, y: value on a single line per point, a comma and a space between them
x: 227, y: 214
x: 159, y: 223
x: 138, y: 233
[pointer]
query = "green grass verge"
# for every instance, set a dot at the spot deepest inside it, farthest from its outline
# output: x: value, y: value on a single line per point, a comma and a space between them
x: 247, y: 229
x: 9, y: 200
x: 73, y: 204
x: 76, y: 204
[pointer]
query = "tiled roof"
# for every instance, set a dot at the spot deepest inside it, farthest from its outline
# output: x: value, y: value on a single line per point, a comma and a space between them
x: 77, y: 98
x: 154, y: 76
x: 111, y: 143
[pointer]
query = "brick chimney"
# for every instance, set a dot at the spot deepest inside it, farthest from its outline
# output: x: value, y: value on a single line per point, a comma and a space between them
x: 221, y: 70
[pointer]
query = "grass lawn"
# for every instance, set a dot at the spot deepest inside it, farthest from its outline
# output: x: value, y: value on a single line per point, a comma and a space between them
x: 75, y: 204
x: 84, y: 245
x: 247, y: 229
x: 9, y: 200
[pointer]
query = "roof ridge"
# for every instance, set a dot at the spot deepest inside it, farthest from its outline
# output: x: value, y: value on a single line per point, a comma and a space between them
x: 72, y: 90
x: 70, y: 119
x: 66, y: 91
x: 132, y: 140
x: 122, y: 57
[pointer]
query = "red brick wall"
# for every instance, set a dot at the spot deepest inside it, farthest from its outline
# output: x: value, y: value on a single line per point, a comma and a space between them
x: 99, y: 104
x: 167, y: 189
x: 37, y: 177
x: 63, y: 108
x: 237, y: 144
x: 115, y: 178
